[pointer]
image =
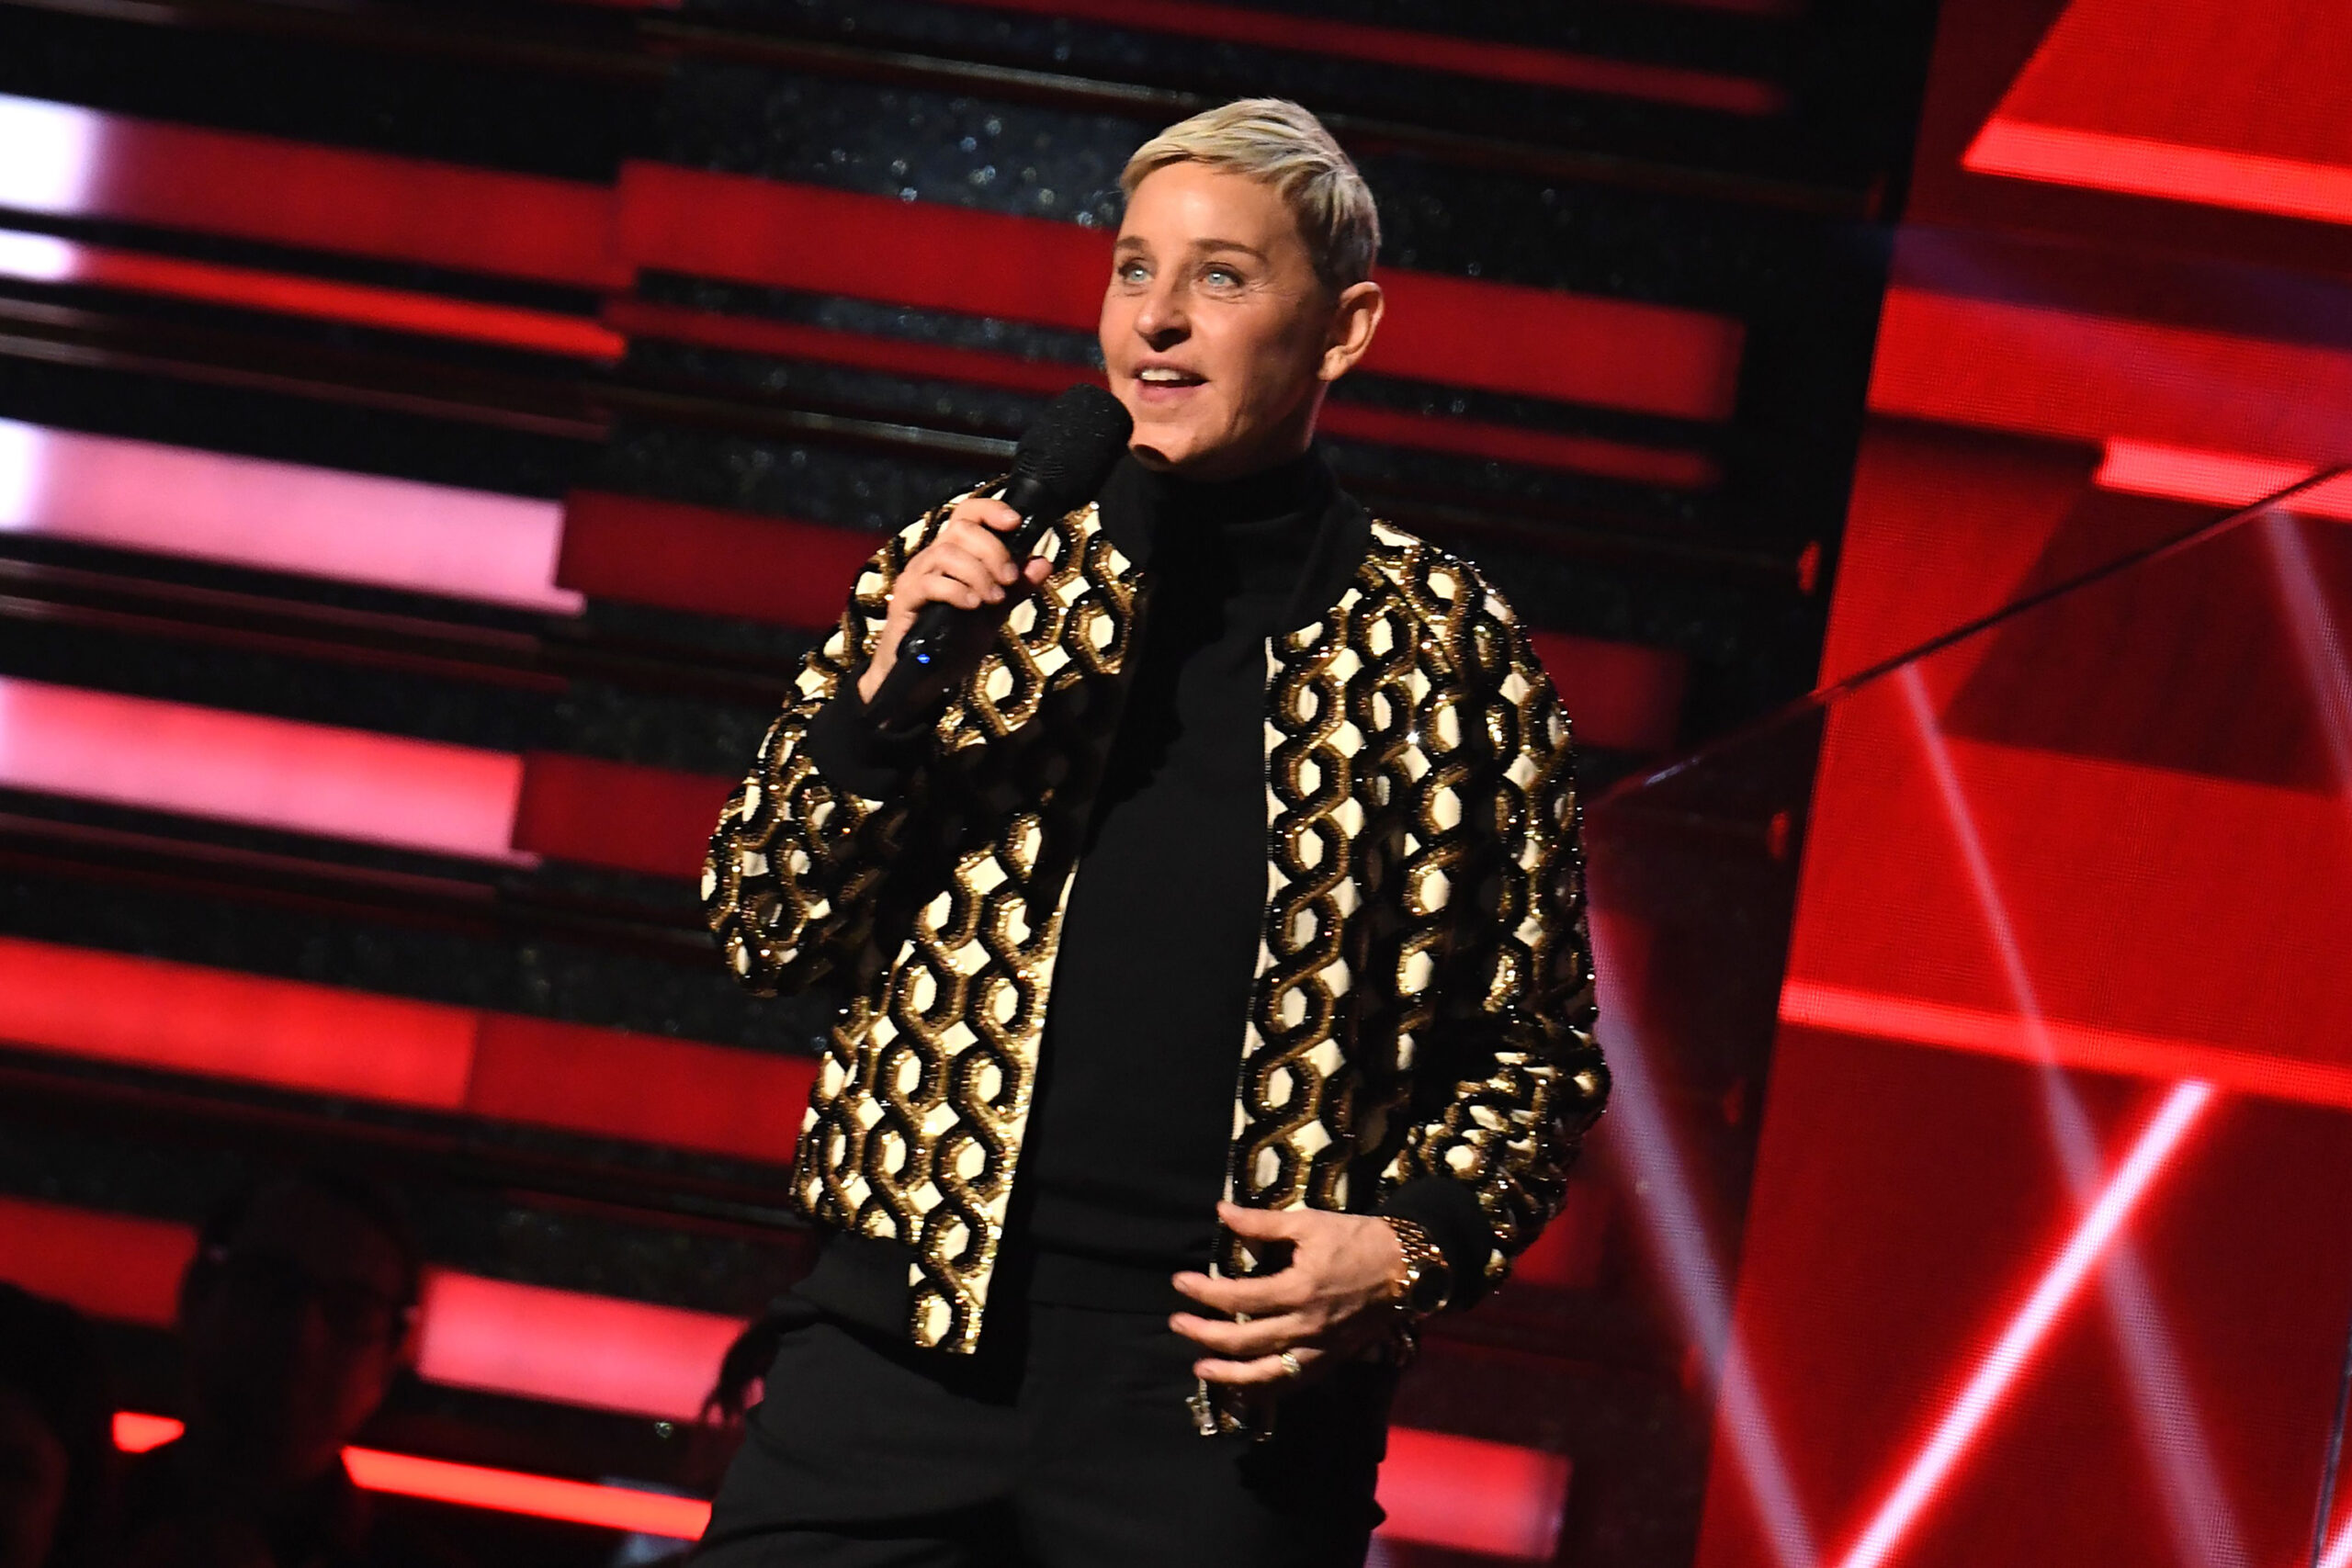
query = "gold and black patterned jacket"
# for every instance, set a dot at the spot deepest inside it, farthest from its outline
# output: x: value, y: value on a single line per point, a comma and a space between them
x: 1422, y: 1009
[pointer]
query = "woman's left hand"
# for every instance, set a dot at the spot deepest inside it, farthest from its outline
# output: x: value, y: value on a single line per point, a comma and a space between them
x: 1335, y: 1299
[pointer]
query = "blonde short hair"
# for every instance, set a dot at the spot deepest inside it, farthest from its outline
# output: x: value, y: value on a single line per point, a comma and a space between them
x: 1276, y: 141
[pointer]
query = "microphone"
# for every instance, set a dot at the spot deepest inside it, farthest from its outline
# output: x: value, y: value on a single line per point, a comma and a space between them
x: 1061, y: 462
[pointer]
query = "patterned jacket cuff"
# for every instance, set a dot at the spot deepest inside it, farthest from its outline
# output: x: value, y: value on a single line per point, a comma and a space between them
x: 853, y: 753
x: 1448, y: 1210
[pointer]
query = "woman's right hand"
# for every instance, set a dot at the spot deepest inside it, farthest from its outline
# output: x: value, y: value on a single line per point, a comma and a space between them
x: 966, y: 565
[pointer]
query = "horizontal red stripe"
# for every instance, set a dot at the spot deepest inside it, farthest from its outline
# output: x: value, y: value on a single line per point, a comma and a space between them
x: 703, y: 559
x: 1502, y: 337
x: 1469, y: 1495
x: 656, y: 820
x: 2139, y: 165
x: 2045, y: 371
x: 477, y: 1486
x: 1619, y: 694
x: 325, y: 1040
x: 78, y: 163
x: 2218, y: 479
x: 274, y: 516
x: 182, y: 1018
x: 44, y: 258
x: 644, y: 1088
x: 249, y: 768
x: 568, y: 1347
x: 1353, y: 421
x: 111, y: 1266
x: 1327, y: 38
x: 2079, y: 1047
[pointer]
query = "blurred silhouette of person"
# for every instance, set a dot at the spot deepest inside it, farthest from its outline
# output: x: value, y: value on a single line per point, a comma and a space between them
x: 56, y: 1436
x: 294, y: 1316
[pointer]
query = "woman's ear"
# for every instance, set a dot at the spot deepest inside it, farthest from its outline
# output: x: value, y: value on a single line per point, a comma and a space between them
x: 1355, y: 316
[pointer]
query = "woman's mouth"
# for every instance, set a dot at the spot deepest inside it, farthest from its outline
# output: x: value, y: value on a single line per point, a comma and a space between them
x: 1166, y: 384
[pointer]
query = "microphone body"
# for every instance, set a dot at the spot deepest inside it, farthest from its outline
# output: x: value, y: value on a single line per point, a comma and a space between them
x: 1060, y: 464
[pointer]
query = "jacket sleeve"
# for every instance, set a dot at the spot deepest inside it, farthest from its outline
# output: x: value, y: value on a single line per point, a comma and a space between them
x: 1517, y: 1076
x: 801, y: 854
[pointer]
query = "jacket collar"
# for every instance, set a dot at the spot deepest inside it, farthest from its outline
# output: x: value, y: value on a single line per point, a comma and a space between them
x: 1129, y: 517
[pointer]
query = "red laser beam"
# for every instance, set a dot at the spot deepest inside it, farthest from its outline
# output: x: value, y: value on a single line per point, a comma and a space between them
x: 1996, y: 1374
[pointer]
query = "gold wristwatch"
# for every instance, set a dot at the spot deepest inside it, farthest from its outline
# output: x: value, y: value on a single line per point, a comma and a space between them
x: 1428, y: 1283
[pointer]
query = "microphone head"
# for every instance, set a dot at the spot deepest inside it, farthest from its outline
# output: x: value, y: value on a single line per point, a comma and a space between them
x: 1069, y: 450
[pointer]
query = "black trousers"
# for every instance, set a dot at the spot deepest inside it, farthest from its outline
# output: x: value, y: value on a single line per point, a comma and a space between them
x: 1063, y: 1443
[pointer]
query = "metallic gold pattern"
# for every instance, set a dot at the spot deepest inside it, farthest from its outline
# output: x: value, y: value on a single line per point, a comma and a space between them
x: 1424, y: 1001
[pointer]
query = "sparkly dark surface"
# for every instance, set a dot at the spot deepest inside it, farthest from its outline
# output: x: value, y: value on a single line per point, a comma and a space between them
x: 1607, y: 195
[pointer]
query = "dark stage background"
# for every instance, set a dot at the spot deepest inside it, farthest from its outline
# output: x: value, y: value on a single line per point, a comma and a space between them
x: 430, y: 435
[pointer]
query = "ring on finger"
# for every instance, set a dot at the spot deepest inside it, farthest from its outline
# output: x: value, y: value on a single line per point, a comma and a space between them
x: 1290, y: 1365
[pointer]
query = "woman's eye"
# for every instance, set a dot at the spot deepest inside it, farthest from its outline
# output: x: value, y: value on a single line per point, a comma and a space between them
x: 1221, y: 277
x: 1133, y: 272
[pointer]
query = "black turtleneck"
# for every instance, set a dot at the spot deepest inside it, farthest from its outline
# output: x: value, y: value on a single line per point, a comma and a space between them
x: 1124, y: 1159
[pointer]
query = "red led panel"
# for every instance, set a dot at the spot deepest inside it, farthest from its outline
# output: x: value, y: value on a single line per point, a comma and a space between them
x: 646, y: 1088
x: 42, y: 258
x: 2045, y: 371
x: 569, y: 1349
x: 270, y: 772
x: 1625, y: 460
x: 182, y: 1018
x: 606, y: 1083
x: 1544, y: 342
x: 2240, y: 106
x: 656, y: 820
x: 110, y: 1265
x: 2218, y: 479
x: 1330, y: 37
x: 714, y: 562
x: 274, y: 516
x: 76, y: 163
x: 1472, y: 1495
x: 1618, y: 695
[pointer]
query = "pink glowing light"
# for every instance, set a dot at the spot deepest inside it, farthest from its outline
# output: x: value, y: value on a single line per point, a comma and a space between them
x: 569, y: 1349
x: 1468, y: 1495
x: 49, y: 154
x: 423, y: 539
x: 1997, y: 1375
x: 270, y: 772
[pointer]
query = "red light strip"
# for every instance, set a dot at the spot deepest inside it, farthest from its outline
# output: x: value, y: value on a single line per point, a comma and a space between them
x: 1996, y: 1374
x: 2217, y: 478
x: 289, y: 517
x: 75, y: 162
x: 1327, y: 38
x: 1625, y: 460
x: 2139, y: 165
x: 1468, y: 1495
x: 271, y: 773
x: 478, y: 1487
x: 611, y: 1083
x: 2045, y: 371
x: 1915, y: 1021
x: 1459, y: 332
x: 43, y: 258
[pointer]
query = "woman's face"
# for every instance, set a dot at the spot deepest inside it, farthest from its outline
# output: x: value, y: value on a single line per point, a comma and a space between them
x: 1216, y: 330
